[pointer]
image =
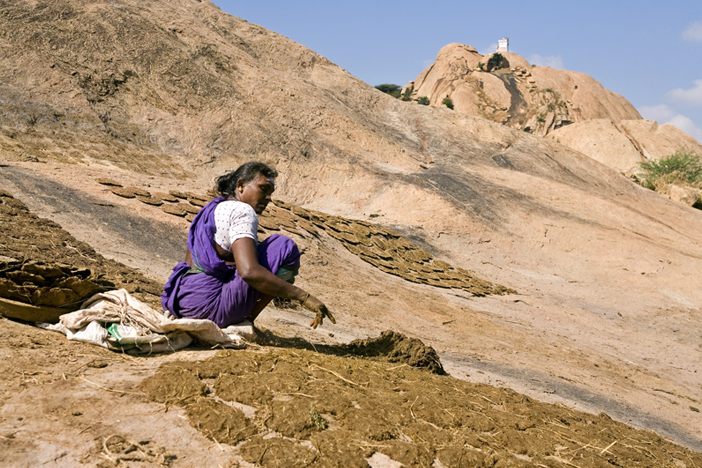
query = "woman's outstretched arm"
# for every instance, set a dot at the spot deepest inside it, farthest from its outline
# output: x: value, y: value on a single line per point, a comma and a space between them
x: 263, y: 280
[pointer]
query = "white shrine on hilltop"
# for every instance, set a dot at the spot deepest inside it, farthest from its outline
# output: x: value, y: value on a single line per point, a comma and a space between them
x: 503, y: 45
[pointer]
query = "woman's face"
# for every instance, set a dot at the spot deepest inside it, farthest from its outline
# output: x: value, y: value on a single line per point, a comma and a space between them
x: 257, y: 193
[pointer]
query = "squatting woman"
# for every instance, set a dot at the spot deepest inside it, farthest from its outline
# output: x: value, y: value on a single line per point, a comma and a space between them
x: 228, y: 276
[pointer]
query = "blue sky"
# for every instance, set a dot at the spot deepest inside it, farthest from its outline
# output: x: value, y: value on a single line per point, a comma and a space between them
x: 649, y: 52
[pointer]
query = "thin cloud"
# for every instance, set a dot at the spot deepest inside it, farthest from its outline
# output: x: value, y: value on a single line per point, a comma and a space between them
x: 687, y: 125
x: 664, y: 114
x: 693, y: 32
x: 489, y: 49
x: 552, y: 61
x: 659, y: 113
x: 688, y: 97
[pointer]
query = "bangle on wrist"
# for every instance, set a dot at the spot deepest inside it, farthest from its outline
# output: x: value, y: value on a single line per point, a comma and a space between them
x: 305, y: 299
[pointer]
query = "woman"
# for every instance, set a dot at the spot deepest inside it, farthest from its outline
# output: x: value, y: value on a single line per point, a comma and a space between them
x: 228, y: 276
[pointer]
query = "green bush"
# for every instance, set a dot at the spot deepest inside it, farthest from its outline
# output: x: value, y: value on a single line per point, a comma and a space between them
x: 424, y: 100
x: 495, y: 61
x: 407, y: 95
x: 680, y: 168
x: 448, y: 102
x: 391, y: 89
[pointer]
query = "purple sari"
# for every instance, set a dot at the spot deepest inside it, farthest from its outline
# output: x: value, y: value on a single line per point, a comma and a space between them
x: 213, y: 289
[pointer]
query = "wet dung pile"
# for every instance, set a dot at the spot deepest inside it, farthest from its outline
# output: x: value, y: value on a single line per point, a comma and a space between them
x: 293, y: 407
x: 398, y: 348
x: 390, y: 346
x: 34, y: 258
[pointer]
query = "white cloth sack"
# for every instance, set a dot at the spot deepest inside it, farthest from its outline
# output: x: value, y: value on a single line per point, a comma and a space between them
x: 141, y: 326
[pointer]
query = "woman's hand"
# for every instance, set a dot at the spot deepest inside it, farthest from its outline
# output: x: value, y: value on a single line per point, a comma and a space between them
x: 318, y: 307
x: 259, y: 278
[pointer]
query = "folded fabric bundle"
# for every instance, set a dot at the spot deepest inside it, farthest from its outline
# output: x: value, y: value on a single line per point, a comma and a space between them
x: 118, y: 321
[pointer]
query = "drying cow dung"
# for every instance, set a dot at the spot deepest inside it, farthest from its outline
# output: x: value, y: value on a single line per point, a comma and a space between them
x: 315, y: 409
x: 178, y: 194
x: 166, y: 197
x: 123, y: 192
x: 197, y: 202
x: 108, y: 182
x: 44, y: 266
x: 175, y: 210
x: 138, y: 191
x: 153, y: 201
x: 379, y: 247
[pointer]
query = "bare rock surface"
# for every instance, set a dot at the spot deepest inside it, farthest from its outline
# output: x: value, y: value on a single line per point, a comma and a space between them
x: 603, y: 141
x: 164, y: 97
x: 623, y: 145
x: 656, y: 141
x: 686, y: 195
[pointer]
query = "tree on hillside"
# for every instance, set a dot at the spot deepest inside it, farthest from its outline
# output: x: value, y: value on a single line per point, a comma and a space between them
x: 407, y: 95
x: 497, y: 61
x: 391, y: 89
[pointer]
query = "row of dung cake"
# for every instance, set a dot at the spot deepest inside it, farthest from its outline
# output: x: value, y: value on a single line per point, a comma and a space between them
x: 377, y: 246
x: 42, y: 264
x: 176, y: 203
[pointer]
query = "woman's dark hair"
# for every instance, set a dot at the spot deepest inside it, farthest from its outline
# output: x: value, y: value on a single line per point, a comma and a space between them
x: 226, y: 184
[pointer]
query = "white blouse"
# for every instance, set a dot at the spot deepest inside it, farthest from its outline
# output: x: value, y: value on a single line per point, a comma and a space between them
x: 234, y: 220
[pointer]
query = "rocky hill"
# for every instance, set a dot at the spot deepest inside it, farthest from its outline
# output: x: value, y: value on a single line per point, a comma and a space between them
x: 505, y: 88
x: 560, y: 104
x: 162, y: 97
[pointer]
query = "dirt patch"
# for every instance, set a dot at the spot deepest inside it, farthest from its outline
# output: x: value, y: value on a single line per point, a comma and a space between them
x: 311, y: 409
x: 117, y: 450
x: 25, y: 362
